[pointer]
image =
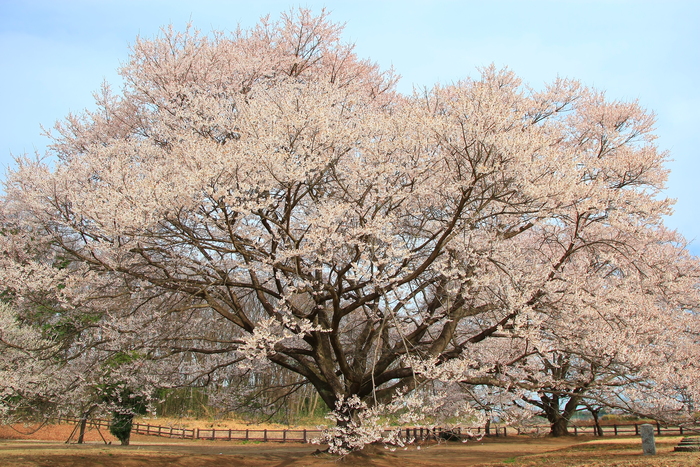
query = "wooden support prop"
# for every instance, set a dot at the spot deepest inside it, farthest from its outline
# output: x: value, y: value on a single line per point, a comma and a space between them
x: 72, y: 433
x: 98, y: 430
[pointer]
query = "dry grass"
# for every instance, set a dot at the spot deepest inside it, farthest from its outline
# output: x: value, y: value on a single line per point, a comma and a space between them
x: 618, y: 452
x: 518, y: 451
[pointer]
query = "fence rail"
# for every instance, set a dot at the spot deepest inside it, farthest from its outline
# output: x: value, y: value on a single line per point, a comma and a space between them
x: 632, y: 429
x: 220, y: 434
x: 416, y: 433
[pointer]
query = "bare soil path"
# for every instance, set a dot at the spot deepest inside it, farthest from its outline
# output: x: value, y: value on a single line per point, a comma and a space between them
x: 32, y: 453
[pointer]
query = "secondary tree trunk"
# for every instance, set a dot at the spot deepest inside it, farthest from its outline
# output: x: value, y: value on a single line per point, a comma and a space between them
x: 120, y: 427
x: 596, y: 421
x: 83, y: 424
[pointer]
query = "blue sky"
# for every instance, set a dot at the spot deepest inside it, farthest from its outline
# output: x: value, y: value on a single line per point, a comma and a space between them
x: 55, y: 53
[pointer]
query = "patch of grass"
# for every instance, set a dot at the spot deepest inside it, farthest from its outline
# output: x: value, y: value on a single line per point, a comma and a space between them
x: 592, y: 447
x: 602, y: 447
x: 510, y: 460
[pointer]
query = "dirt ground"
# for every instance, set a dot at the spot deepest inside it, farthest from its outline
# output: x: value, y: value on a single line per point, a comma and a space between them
x: 46, y: 447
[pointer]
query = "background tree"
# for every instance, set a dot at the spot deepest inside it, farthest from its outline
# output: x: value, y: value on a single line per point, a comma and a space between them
x: 616, y: 340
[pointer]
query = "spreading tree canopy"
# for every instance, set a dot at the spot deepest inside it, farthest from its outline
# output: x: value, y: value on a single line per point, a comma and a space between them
x: 266, y: 195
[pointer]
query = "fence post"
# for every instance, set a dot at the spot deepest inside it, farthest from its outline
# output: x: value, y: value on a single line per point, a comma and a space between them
x: 615, y: 428
x: 265, y: 434
x: 658, y: 428
x: 636, y: 429
x: 681, y: 429
x: 575, y: 431
x: 197, y: 437
x: 305, y: 435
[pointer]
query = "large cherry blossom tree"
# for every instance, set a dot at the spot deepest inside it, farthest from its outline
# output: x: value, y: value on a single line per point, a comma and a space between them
x: 265, y: 195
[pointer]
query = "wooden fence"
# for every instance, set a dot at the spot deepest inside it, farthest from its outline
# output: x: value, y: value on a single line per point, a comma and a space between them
x: 416, y: 433
x: 219, y: 434
x: 227, y: 434
x: 632, y: 429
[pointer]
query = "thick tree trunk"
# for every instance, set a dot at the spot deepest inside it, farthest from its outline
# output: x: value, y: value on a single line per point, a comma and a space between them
x: 560, y: 427
x: 558, y: 418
